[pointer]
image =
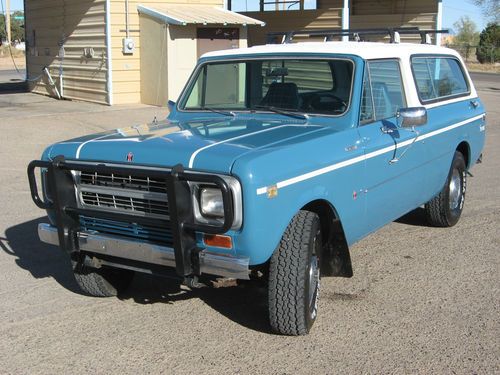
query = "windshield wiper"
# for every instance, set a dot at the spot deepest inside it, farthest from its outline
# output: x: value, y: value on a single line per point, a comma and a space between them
x: 280, y: 111
x: 225, y: 113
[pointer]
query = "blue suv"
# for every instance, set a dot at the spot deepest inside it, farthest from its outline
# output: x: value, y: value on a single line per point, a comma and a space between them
x: 274, y: 160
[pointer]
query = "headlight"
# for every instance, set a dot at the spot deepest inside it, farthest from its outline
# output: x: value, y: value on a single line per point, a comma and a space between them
x: 211, y: 203
x: 208, y: 206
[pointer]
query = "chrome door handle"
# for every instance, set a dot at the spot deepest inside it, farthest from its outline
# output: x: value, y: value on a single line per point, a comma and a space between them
x: 474, y: 103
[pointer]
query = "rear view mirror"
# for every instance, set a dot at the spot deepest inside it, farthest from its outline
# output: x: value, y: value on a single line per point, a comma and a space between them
x: 171, y: 105
x: 413, y: 116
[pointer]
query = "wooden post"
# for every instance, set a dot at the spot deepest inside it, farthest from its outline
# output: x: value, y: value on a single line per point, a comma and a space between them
x: 7, y: 20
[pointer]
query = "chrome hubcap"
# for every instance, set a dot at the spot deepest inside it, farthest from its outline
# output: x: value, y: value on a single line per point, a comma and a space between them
x: 313, y: 284
x: 455, y: 189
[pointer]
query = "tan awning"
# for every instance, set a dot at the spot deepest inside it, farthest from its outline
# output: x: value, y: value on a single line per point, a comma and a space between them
x: 196, y: 14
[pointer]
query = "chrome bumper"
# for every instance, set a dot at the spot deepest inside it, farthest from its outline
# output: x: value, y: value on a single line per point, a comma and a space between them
x: 210, y: 263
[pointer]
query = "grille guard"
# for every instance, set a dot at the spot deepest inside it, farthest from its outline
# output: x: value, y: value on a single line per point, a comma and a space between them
x: 63, y: 202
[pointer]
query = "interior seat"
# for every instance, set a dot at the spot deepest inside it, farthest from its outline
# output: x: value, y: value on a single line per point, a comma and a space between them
x: 282, y: 95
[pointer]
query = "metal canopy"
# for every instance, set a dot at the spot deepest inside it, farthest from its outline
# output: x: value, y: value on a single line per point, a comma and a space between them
x: 186, y: 14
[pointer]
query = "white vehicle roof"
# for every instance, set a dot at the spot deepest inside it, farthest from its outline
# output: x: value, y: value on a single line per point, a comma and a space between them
x: 365, y: 50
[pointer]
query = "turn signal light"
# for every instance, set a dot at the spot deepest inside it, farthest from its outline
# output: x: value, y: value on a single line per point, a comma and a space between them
x: 218, y: 241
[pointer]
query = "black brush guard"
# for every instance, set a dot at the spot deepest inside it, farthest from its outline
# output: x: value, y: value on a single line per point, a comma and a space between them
x: 63, y: 201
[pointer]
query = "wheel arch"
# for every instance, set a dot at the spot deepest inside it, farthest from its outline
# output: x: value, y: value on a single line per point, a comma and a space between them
x: 464, y: 149
x: 336, y: 259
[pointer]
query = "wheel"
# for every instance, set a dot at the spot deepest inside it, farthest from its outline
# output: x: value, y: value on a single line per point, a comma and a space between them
x: 102, y: 282
x: 294, y: 276
x: 445, y: 209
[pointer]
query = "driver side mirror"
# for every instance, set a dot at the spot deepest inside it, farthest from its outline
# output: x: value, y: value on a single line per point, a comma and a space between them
x: 413, y: 116
x: 171, y: 106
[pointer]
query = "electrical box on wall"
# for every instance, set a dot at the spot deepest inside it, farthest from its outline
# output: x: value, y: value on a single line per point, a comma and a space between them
x: 128, y: 46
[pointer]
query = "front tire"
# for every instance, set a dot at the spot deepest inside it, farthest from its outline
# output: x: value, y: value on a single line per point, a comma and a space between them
x: 102, y: 282
x: 294, y: 276
x: 445, y: 209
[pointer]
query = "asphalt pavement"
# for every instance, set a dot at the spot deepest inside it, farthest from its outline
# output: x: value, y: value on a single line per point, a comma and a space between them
x: 422, y: 300
x: 486, y: 81
x: 12, y: 75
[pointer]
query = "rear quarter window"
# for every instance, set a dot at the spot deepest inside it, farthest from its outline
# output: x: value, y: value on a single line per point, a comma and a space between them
x: 439, y: 78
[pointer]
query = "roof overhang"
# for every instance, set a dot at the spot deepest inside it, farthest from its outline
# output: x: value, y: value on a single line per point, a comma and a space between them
x: 194, y: 14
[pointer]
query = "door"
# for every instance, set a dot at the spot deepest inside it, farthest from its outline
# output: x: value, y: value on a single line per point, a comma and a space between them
x: 216, y: 38
x: 394, y: 163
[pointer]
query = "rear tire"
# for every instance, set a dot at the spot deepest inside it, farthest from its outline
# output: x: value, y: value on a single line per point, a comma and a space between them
x: 102, y: 282
x: 294, y: 276
x: 444, y: 209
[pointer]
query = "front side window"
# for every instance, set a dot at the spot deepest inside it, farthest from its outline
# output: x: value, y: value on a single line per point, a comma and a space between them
x: 383, y: 92
x: 438, y: 78
x: 309, y: 86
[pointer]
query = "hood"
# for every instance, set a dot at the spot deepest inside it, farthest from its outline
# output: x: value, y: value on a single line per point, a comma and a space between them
x: 212, y: 144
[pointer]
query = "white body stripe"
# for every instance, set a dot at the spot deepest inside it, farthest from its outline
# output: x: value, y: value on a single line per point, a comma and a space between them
x: 193, y: 156
x: 370, y: 155
x: 77, y: 155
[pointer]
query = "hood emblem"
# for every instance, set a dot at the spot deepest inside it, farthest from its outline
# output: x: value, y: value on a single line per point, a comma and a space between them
x: 130, y: 157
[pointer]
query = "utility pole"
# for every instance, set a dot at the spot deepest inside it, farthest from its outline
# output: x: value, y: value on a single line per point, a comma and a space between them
x: 7, y: 19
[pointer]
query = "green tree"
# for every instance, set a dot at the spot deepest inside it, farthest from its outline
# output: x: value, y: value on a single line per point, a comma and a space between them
x: 489, y: 44
x: 16, y: 27
x: 491, y: 9
x: 466, y: 35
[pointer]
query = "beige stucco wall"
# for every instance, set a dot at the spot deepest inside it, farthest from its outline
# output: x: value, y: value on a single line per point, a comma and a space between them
x: 182, y: 57
x: 127, y: 68
x: 169, y: 55
x: 153, y: 64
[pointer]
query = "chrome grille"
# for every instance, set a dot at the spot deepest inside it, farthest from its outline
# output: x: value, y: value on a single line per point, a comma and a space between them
x: 134, y: 195
x: 123, y: 182
x: 118, y: 202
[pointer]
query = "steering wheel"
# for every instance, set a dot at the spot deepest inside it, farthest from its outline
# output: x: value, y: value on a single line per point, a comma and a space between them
x: 334, y: 103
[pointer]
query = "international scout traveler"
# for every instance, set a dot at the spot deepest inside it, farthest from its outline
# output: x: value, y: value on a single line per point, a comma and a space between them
x: 273, y: 161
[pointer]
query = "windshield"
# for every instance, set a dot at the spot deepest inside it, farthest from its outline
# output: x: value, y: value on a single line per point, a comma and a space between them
x: 294, y: 85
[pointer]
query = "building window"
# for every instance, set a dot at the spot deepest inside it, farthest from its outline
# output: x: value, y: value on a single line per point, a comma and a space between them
x: 230, y: 33
x: 271, y: 5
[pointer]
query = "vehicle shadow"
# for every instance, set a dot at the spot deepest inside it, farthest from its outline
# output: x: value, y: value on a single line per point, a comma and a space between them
x: 13, y: 87
x: 40, y: 259
x: 415, y: 218
x: 244, y: 304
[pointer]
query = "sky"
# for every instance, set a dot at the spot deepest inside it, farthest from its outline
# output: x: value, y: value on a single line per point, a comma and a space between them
x: 452, y: 11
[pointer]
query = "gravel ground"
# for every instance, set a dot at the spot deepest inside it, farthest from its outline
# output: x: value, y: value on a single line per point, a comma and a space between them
x: 422, y: 300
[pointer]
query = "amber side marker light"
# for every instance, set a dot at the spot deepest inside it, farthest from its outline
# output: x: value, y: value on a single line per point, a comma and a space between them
x: 217, y: 240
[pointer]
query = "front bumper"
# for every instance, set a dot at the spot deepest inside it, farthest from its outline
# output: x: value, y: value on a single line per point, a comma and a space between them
x: 180, y: 250
x: 136, y: 250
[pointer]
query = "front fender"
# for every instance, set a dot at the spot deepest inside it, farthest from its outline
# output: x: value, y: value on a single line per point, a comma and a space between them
x: 266, y: 218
